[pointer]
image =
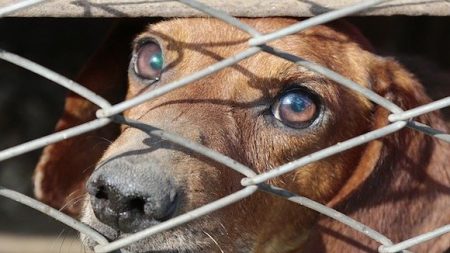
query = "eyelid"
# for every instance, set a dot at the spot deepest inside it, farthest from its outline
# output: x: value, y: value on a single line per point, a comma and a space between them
x: 299, y: 87
x: 137, y: 43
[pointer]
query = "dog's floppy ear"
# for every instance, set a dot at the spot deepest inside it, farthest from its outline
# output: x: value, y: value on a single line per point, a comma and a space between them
x: 64, y: 166
x: 403, y: 149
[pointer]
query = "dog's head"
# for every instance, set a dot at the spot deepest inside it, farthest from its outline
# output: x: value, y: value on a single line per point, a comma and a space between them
x: 262, y: 112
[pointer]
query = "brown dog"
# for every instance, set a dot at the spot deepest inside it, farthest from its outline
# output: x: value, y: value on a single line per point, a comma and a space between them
x: 262, y: 112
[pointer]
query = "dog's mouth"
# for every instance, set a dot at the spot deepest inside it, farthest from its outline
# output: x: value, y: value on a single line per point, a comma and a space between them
x: 187, y: 238
x: 154, y: 244
x: 127, y: 220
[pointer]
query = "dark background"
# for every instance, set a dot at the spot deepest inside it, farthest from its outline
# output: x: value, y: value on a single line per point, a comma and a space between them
x: 30, y: 104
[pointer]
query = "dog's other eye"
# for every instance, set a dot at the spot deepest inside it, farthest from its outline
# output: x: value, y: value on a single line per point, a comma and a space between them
x: 149, y: 61
x: 296, y: 108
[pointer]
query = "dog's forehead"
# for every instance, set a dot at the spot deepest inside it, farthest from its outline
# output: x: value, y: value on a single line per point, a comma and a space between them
x: 192, y: 44
x: 210, y: 30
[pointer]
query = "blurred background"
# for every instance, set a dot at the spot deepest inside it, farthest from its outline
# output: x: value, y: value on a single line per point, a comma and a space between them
x: 30, y: 104
x: 29, y: 108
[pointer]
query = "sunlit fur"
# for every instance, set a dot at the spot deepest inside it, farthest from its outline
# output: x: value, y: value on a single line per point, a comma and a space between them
x: 398, y: 185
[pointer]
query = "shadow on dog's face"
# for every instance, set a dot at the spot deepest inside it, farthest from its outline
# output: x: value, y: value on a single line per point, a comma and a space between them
x: 262, y: 112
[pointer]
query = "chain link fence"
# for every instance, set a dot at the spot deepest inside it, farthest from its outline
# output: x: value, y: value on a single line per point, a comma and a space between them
x: 252, y: 182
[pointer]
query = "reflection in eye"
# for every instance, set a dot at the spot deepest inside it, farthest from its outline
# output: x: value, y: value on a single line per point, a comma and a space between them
x: 295, y: 108
x: 149, y: 61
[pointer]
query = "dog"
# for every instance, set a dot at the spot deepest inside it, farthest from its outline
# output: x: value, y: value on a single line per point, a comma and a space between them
x: 263, y: 112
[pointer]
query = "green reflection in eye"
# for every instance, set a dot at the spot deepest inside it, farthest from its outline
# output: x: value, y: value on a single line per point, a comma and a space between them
x: 156, y: 61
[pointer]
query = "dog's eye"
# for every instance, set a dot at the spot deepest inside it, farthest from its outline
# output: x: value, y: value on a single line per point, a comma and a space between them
x: 149, y: 61
x: 296, y: 108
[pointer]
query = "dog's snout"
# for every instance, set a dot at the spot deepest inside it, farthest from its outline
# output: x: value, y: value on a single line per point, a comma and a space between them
x: 129, y: 198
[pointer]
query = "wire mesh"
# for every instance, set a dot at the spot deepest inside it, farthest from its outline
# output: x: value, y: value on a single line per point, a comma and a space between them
x: 252, y: 182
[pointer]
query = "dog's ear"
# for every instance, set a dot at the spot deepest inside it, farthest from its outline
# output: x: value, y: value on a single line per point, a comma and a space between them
x: 404, y: 148
x: 64, y: 166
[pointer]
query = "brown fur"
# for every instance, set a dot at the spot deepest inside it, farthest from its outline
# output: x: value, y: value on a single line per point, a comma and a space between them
x: 398, y: 185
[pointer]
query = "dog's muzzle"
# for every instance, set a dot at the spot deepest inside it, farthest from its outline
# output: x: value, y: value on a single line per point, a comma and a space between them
x: 129, y: 195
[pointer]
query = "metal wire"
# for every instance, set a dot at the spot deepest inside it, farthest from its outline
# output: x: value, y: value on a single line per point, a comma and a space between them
x: 332, y: 15
x: 52, y: 138
x: 327, y: 211
x: 120, y: 107
x: 326, y: 152
x: 18, y: 6
x: 252, y: 181
x: 429, y: 130
x: 433, y: 106
x: 55, y: 77
x: 317, y: 20
x: 63, y: 218
x: 200, y: 149
x: 222, y: 16
x: 415, y: 240
x: 178, y: 220
x: 369, y: 94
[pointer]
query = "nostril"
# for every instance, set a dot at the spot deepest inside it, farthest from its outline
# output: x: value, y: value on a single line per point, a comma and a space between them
x: 137, y: 204
x: 97, y: 189
x: 101, y: 193
x: 129, y: 204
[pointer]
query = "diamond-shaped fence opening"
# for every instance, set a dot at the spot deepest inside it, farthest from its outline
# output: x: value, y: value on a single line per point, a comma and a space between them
x: 252, y: 182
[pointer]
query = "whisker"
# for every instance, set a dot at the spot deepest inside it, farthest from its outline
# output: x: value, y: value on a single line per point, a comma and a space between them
x: 224, y: 229
x: 73, y: 201
x: 88, y: 168
x: 214, y: 240
x: 107, y: 140
x: 70, y: 245
x: 57, y: 239
x: 82, y: 246
x: 62, y: 243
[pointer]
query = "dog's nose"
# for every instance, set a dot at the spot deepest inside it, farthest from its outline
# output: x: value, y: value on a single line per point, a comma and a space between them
x: 130, y: 199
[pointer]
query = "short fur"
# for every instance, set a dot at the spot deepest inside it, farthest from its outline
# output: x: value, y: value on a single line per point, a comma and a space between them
x: 397, y: 185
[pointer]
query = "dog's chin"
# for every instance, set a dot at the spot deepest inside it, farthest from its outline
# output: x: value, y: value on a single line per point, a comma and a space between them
x: 175, y: 240
x: 193, y: 237
x: 188, y: 238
